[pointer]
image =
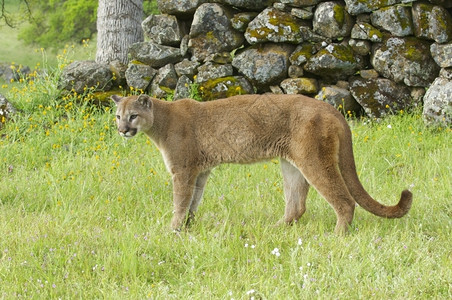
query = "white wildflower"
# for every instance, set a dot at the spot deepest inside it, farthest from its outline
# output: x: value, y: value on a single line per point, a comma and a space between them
x: 276, y: 252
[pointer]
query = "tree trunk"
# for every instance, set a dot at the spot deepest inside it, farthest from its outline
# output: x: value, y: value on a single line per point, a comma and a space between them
x: 118, y: 26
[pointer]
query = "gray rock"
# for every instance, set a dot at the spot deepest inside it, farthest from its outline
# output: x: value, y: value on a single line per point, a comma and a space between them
x: 187, y: 67
x: 212, y: 32
x: 342, y: 84
x: 302, y: 53
x: 211, y: 70
x: 356, y: 7
x: 118, y: 70
x: 275, y: 89
x: 184, y: 45
x: 368, y: 74
x: 417, y: 94
x: 295, y: 71
x: 444, y: 3
x: 164, y: 82
x: 432, y: 22
x: 359, y: 46
x: 300, y: 3
x: 220, y: 58
x: 183, y: 89
x: 86, y: 74
x: 300, y: 86
x: 311, y: 36
x: 332, y: 20
x: 380, y: 96
x: 305, y: 13
x: 281, y: 7
x: 264, y: 65
x: 3, y: 67
x: 395, y: 19
x: 406, y: 60
x: 247, y: 4
x: 446, y: 73
x: 273, y: 25
x: 365, y: 31
x: 6, y: 110
x: 225, y: 87
x: 15, y: 72
x: 335, y: 62
x: 164, y: 29
x: 154, y: 55
x: 139, y: 76
x: 438, y: 103
x: 241, y: 20
x: 182, y: 8
x: 340, y: 98
x: 442, y: 54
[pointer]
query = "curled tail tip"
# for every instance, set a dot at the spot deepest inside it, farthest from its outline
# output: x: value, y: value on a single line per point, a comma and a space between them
x: 405, y: 202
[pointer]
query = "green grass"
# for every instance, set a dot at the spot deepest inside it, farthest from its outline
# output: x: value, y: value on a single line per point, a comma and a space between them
x: 85, y: 214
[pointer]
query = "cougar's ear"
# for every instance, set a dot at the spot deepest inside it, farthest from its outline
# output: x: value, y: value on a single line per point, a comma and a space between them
x: 116, y: 98
x: 145, y: 100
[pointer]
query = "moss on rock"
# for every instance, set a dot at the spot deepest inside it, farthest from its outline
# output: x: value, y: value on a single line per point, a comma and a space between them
x: 275, y: 26
x: 224, y: 87
x: 339, y: 14
x: 301, y: 54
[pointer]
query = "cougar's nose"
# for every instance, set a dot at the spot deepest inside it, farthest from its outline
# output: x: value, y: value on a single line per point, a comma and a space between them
x: 127, y: 131
x: 123, y: 130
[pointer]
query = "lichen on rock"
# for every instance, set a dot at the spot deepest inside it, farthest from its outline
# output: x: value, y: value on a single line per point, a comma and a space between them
x: 380, y: 96
x: 301, y: 54
x: 332, y: 20
x: 139, y: 76
x: 395, y: 19
x: 211, y: 31
x: 334, y: 62
x: 80, y: 75
x: 225, y: 87
x: 356, y: 7
x: 154, y: 55
x: 432, y: 22
x: 265, y: 64
x: 365, y: 31
x: 406, y: 60
x: 438, y: 102
x: 301, y: 85
x: 273, y: 25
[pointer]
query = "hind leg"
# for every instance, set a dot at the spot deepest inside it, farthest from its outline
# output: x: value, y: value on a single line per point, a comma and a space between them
x: 330, y: 184
x: 201, y: 181
x: 328, y: 181
x: 295, y: 191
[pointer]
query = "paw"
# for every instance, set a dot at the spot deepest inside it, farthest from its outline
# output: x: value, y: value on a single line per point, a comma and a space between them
x: 190, y: 219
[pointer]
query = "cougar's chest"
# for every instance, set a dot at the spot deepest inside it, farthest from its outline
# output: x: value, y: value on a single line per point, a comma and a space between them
x: 166, y: 159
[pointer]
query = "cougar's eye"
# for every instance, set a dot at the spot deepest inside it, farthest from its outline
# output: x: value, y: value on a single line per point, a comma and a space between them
x: 133, y: 117
x: 118, y: 117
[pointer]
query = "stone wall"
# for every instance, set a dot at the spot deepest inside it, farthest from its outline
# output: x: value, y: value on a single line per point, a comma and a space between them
x: 379, y: 56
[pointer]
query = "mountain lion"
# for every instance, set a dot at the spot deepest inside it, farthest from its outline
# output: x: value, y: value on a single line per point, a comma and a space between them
x: 311, y: 138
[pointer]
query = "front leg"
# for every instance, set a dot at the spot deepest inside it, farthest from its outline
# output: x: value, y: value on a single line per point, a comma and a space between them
x: 183, y: 187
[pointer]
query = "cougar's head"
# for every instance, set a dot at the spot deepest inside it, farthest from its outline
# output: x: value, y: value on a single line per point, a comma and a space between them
x: 133, y: 114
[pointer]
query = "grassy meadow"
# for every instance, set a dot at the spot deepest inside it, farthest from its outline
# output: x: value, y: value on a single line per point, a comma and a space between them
x: 85, y: 214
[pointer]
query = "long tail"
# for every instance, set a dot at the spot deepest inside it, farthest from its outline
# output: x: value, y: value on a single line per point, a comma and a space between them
x: 378, y: 209
x: 348, y: 170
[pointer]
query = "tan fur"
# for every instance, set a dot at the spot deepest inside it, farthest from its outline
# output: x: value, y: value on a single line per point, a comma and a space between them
x: 312, y: 139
